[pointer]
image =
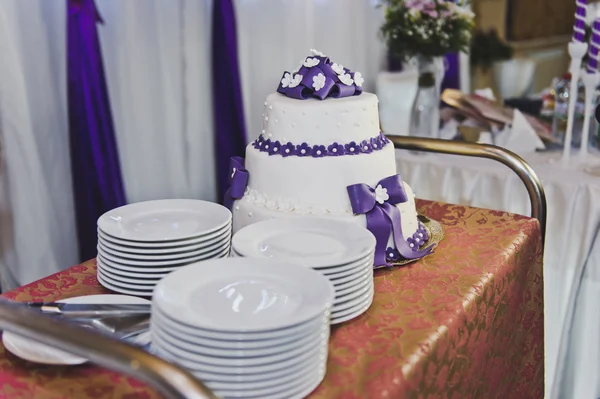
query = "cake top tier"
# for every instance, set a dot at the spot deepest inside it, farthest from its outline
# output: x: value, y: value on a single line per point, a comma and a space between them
x: 320, y: 78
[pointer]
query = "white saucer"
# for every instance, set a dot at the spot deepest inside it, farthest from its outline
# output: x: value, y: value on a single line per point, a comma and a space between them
x: 170, y: 245
x: 44, y: 354
x: 125, y: 249
x: 243, y: 295
x: 164, y: 220
x: 311, y: 242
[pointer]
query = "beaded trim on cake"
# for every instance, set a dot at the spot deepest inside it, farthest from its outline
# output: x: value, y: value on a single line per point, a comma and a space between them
x: 317, y: 151
x: 286, y: 205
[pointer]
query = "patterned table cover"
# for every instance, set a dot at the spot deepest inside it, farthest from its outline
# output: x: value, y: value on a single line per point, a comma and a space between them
x: 465, y: 322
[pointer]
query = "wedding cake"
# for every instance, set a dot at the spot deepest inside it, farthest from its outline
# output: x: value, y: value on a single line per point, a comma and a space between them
x: 321, y: 153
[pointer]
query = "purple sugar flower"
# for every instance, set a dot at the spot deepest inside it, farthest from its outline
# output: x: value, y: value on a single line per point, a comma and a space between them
x: 352, y: 148
x: 258, y: 142
x: 275, y: 148
x: 365, y: 147
x: 335, y: 149
x: 392, y: 254
x: 376, y: 144
x: 384, y: 139
x: 413, y: 244
x: 266, y: 145
x: 288, y: 149
x: 318, y: 151
x: 303, y: 150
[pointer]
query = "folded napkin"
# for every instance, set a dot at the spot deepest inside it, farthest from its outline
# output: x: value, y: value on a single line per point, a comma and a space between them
x: 520, y: 137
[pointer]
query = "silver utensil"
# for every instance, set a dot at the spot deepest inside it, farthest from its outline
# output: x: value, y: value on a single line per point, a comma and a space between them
x: 85, y: 310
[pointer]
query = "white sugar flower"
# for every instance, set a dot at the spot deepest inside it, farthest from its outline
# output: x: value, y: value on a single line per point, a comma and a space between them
x: 346, y: 79
x: 318, y: 82
x: 358, y: 79
x: 381, y: 194
x: 337, y: 68
x: 286, y: 80
x: 317, y: 53
x: 296, y: 81
x: 311, y: 62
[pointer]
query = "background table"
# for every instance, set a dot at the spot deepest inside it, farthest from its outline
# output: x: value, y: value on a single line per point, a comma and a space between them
x: 466, y: 321
x: 571, y: 235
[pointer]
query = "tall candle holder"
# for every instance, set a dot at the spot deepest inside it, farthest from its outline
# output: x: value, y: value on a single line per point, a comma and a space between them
x: 576, y: 50
x: 590, y: 82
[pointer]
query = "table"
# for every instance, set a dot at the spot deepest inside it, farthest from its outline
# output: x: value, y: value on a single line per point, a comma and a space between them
x: 572, y: 243
x: 466, y: 321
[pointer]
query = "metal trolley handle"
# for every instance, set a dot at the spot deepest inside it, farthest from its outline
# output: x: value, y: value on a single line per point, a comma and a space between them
x: 537, y: 197
x: 169, y: 380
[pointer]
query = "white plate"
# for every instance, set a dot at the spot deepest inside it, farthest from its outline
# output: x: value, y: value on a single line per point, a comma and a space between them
x: 160, y: 257
x: 166, y: 244
x: 129, y: 250
x: 162, y: 341
x: 353, y: 314
x: 140, y: 282
x: 162, y: 263
x: 318, y: 352
x: 310, y: 242
x: 353, y: 292
x: 123, y: 290
x: 360, y: 285
x: 198, y: 347
x: 164, y: 220
x: 243, y: 295
x: 353, y: 302
x: 156, y: 269
x: 40, y: 353
x: 138, y: 275
x: 238, y: 340
x: 350, y: 281
x: 126, y: 284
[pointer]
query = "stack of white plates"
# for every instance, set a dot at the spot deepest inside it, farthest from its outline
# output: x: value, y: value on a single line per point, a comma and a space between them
x: 342, y: 251
x: 141, y: 243
x: 246, y: 327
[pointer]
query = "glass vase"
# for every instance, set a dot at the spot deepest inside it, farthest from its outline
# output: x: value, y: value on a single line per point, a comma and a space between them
x: 424, y: 119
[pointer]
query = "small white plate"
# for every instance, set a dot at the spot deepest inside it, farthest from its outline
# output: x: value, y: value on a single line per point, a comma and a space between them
x: 126, y: 284
x: 346, y: 273
x: 353, y: 302
x: 249, y: 339
x: 142, y: 276
x: 347, y: 316
x: 243, y: 295
x: 353, y: 292
x: 316, y: 352
x: 310, y: 242
x: 139, y: 282
x: 356, y: 279
x: 198, y: 346
x: 191, y: 354
x: 162, y: 263
x: 160, y: 257
x: 169, y: 245
x: 44, y: 354
x: 172, y: 251
x: 122, y: 290
x: 360, y: 285
x: 164, y: 220
x: 355, y: 309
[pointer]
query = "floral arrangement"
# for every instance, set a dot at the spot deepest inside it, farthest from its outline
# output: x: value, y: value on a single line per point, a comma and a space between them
x: 429, y: 28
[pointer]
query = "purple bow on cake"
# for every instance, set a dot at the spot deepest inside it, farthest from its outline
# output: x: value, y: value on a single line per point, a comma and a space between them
x: 383, y: 217
x: 238, y: 180
x: 320, y: 78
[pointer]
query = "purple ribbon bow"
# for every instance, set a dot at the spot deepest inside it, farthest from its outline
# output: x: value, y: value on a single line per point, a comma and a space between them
x: 332, y: 86
x: 238, y: 180
x: 383, y: 216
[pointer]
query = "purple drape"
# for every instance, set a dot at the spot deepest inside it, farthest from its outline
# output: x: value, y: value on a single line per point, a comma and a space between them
x: 97, y: 182
x: 230, y: 131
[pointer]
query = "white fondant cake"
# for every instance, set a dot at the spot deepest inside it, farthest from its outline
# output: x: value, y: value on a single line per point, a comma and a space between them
x: 311, y: 149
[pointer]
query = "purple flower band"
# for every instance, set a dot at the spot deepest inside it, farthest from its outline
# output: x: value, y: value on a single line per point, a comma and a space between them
x: 318, y: 151
x: 415, y: 242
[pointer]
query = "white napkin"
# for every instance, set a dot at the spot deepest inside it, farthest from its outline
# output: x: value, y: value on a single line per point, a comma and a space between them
x: 520, y: 136
x: 487, y: 93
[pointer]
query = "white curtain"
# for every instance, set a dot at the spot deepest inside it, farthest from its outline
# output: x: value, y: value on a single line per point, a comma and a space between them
x: 37, y: 235
x: 156, y: 55
x: 275, y: 35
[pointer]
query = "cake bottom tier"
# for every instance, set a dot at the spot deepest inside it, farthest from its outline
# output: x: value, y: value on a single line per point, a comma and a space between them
x: 246, y: 212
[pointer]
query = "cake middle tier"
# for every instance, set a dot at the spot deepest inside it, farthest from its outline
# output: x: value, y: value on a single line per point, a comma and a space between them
x: 321, y: 122
x: 315, y: 185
